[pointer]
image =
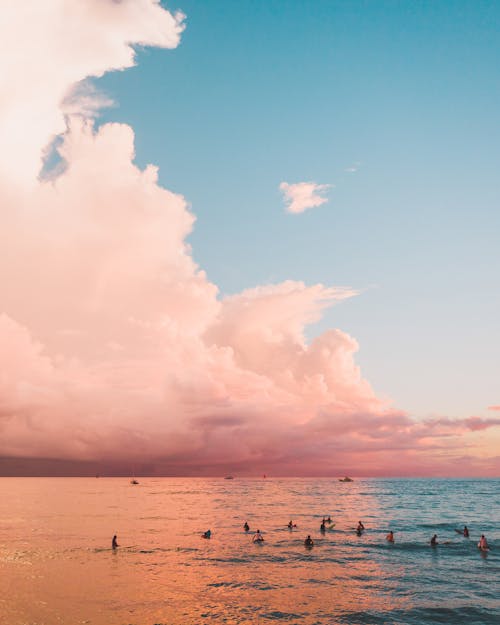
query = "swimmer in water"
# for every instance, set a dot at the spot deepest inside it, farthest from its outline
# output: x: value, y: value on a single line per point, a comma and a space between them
x: 207, y: 534
x: 258, y: 538
x: 246, y: 527
x: 290, y: 525
x: 309, y: 542
x: 483, y: 543
x: 322, y: 527
x: 464, y: 532
x: 361, y: 527
x: 390, y: 537
x: 114, y: 543
x: 434, y: 541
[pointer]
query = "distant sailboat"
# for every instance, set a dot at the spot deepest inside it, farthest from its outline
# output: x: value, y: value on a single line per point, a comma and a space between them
x: 133, y: 480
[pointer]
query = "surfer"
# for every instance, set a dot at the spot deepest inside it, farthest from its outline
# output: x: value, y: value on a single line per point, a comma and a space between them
x: 309, y: 542
x: 434, y: 541
x: 483, y: 543
x: 207, y: 534
x: 390, y: 537
x: 246, y: 527
x: 114, y: 543
x: 464, y: 532
x: 258, y: 538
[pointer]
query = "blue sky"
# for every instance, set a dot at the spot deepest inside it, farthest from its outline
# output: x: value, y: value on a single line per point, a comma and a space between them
x: 261, y: 92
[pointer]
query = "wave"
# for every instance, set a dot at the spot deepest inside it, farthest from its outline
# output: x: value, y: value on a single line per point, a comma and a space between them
x: 465, y: 615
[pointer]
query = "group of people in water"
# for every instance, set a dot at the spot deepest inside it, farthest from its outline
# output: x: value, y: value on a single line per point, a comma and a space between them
x: 327, y: 523
x: 482, y: 544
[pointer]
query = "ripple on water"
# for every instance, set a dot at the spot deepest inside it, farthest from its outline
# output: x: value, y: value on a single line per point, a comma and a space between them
x: 163, y: 569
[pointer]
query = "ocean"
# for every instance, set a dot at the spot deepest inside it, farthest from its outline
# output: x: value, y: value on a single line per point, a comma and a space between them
x: 57, y: 565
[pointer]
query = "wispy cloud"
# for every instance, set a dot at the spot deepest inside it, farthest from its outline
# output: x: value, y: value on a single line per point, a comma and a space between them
x: 353, y: 168
x: 303, y: 195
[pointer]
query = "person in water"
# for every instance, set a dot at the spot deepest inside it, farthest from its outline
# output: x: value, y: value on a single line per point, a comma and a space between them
x: 291, y: 525
x: 483, y: 543
x: 464, y: 532
x: 246, y: 527
x: 207, y: 534
x: 390, y: 537
x: 434, y: 541
x: 258, y: 538
x: 114, y: 543
x: 322, y: 527
x: 309, y: 542
x: 361, y: 527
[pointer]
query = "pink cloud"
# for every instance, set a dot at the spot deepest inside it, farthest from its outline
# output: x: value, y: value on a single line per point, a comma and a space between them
x: 116, y: 347
x: 493, y: 407
x: 477, y: 423
x: 303, y: 195
x: 86, y: 39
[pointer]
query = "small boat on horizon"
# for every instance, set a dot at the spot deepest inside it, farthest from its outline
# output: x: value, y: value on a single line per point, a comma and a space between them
x: 229, y: 477
x: 346, y: 479
x: 134, y: 481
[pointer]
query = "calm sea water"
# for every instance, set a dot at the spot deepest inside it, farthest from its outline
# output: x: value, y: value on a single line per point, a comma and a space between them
x: 57, y: 565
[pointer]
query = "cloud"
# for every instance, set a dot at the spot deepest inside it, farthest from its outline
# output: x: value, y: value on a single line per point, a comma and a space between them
x: 303, y: 195
x: 477, y: 423
x: 353, y: 168
x: 493, y: 407
x: 47, y: 48
x: 116, y: 347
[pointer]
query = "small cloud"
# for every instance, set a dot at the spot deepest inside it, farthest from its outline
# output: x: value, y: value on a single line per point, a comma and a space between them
x: 477, y: 423
x: 493, y: 407
x: 353, y: 168
x: 303, y: 195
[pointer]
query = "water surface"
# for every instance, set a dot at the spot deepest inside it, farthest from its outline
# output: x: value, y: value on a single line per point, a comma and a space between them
x: 57, y: 565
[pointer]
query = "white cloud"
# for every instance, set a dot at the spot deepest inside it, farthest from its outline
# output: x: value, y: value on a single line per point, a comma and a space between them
x: 353, y: 168
x: 303, y: 195
x: 47, y: 47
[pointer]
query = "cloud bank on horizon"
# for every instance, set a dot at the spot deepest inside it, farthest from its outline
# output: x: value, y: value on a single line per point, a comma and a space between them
x: 115, y: 344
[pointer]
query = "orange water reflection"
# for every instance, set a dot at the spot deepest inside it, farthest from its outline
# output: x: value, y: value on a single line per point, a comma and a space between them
x: 55, y: 538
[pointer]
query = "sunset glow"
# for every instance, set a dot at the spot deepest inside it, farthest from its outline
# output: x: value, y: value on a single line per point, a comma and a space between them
x: 118, y: 350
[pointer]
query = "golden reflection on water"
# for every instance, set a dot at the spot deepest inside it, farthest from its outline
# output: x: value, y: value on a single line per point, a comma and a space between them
x: 58, y: 567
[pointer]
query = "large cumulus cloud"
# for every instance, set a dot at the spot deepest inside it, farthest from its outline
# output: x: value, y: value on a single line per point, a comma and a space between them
x: 115, y: 346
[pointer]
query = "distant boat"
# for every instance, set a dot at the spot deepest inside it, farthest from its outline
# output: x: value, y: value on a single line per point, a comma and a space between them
x: 134, y: 481
x: 346, y: 479
x: 229, y: 477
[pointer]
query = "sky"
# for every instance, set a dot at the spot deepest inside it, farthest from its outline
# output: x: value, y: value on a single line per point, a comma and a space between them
x: 250, y: 237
